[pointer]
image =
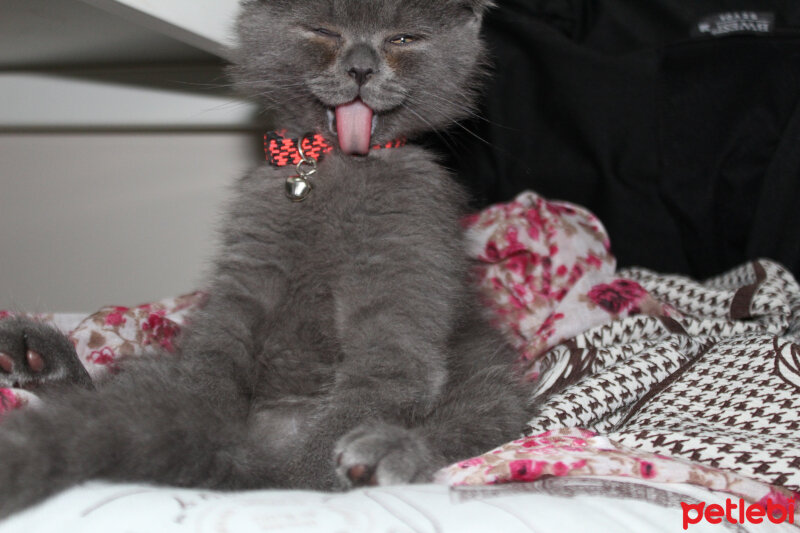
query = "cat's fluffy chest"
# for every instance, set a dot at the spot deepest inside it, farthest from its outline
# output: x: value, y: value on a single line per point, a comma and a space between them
x: 363, y: 219
x: 355, y: 201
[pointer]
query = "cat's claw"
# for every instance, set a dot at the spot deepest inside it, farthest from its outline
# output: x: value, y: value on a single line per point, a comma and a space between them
x: 33, y: 363
x: 382, y: 454
x: 358, y: 475
x: 6, y: 363
x: 33, y: 355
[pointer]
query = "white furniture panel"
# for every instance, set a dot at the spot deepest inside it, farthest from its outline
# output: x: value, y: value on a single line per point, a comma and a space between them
x: 65, y: 33
x: 117, y: 141
x: 205, y: 24
x: 92, y: 219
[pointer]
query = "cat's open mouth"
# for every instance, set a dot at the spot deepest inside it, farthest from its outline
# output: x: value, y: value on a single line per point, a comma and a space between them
x: 354, y: 123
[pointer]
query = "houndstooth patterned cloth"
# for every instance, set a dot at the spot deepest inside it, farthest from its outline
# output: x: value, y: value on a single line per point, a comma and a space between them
x: 717, y: 382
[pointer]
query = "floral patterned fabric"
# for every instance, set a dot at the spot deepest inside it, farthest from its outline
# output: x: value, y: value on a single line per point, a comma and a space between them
x: 583, y: 454
x: 669, y: 379
x: 546, y: 271
x: 112, y: 334
x: 608, y: 353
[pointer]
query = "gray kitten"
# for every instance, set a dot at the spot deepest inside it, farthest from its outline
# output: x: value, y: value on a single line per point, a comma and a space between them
x: 341, y: 344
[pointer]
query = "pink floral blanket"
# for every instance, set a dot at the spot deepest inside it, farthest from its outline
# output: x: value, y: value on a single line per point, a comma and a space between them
x: 638, y: 374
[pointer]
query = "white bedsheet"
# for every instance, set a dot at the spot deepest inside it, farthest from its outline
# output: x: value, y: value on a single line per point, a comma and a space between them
x: 104, y: 508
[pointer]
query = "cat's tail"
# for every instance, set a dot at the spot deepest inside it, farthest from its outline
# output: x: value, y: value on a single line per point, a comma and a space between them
x: 150, y: 424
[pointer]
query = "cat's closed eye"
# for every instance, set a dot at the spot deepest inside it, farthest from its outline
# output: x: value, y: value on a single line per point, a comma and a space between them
x: 326, y: 32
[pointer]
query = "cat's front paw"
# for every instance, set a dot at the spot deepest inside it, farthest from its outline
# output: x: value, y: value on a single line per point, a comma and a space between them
x: 33, y: 355
x: 383, y: 454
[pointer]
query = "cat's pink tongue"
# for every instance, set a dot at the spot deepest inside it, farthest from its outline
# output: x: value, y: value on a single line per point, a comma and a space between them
x: 354, y: 127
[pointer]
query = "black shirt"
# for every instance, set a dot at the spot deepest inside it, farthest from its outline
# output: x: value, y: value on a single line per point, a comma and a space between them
x: 676, y: 121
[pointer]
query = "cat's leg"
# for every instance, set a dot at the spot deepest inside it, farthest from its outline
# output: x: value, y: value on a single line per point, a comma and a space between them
x: 392, y: 328
x: 34, y: 355
x: 397, y: 301
x: 133, y: 429
x: 173, y: 419
x: 460, y: 427
x: 483, y: 406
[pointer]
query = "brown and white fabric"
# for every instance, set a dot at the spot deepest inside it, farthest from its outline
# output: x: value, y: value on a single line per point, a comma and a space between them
x: 718, y: 384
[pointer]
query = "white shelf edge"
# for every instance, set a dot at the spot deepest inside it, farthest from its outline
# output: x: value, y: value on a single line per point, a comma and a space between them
x: 203, y: 24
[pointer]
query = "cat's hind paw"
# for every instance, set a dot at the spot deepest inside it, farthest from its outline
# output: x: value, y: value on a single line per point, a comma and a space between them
x: 382, y: 454
x: 34, y: 355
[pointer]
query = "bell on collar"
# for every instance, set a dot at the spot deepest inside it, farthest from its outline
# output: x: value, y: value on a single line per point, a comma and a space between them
x: 298, y: 188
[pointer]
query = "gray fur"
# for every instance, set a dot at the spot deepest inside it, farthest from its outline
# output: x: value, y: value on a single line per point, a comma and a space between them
x: 19, y: 336
x: 340, y: 331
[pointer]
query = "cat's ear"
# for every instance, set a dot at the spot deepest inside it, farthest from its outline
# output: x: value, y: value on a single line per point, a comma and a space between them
x: 478, y: 7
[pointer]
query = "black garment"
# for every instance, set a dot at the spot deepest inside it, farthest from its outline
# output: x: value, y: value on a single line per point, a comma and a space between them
x: 676, y: 121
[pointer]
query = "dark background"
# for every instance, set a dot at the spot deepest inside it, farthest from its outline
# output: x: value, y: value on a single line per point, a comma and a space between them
x: 686, y: 146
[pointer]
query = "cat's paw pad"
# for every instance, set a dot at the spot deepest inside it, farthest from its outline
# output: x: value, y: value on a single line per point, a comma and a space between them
x: 33, y: 355
x: 382, y: 454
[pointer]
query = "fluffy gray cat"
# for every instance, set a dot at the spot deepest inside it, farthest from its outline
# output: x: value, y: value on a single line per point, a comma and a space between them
x: 341, y: 344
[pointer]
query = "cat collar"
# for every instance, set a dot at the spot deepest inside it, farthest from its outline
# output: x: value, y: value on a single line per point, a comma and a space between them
x: 304, y: 153
x: 282, y: 151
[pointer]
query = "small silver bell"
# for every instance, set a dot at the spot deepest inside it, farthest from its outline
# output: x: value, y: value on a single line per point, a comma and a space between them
x: 297, y: 188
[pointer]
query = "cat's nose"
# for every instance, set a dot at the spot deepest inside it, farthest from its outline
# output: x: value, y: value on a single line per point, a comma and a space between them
x: 361, y: 75
x: 361, y: 62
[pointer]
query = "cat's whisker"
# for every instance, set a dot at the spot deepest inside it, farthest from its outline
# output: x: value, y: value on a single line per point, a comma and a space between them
x: 456, y: 123
x: 230, y: 104
x: 461, y: 107
x: 435, y: 130
x: 473, y: 134
x: 273, y: 82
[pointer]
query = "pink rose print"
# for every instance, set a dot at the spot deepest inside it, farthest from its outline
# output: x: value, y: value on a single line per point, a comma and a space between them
x: 530, y: 443
x: 116, y: 318
x: 161, y: 330
x: 778, y: 498
x: 492, y: 252
x: 595, y: 261
x: 475, y: 461
x: 618, y: 296
x: 537, y: 223
x: 560, y: 469
x: 5, y: 314
x: 647, y: 469
x: 560, y: 209
x: 526, y: 470
x: 106, y: 357
x: 547, y: 328
x: 8, y: 401
x: 578, y: 464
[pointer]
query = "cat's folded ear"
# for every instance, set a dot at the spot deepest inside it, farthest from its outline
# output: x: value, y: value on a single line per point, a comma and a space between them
x: 479, y: 7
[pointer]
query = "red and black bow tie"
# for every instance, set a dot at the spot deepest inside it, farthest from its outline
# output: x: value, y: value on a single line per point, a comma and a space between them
x: 282, y: 151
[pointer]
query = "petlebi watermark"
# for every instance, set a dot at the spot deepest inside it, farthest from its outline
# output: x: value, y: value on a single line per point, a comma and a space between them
x: 738, y: 512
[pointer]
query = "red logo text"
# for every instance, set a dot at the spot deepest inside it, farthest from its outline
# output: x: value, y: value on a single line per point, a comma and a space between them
x: 738, y: 513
